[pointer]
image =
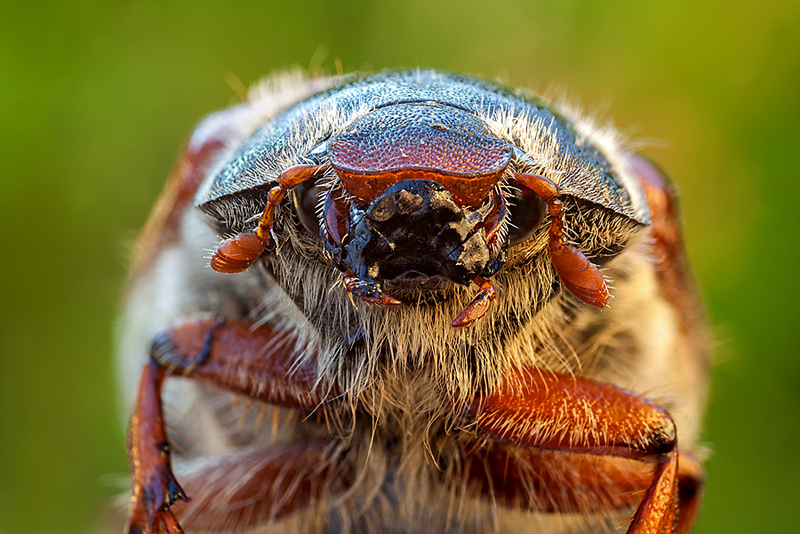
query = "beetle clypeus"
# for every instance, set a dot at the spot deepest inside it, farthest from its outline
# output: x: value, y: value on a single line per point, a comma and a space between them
x: 420, y: 329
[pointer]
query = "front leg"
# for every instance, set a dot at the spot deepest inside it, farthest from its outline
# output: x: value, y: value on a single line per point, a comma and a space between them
x: 232, y: 355
x: 542, y: 410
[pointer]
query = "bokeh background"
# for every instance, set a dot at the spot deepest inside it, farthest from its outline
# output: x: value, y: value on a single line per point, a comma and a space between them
x: 96, y: 99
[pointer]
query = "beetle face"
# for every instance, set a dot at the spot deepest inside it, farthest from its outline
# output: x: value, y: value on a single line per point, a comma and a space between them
x: 414, y: 235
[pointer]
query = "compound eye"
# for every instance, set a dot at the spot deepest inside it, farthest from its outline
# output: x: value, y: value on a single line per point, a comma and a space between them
x: 336, y: 211
x: 306, y: 198
x: 527, y: 211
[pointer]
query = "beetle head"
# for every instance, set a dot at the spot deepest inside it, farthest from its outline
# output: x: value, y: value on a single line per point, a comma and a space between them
x: 415, y: 204
x: 415, y: 236
x: 410, y: 194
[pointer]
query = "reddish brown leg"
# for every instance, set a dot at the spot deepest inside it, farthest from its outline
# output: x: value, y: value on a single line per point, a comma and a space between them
x: 691, y: 478
x: 231, y: 355
x: 557, y: 481
x: 252, y: 488
x: 155, y: 488
x: 580, y: 276
x: 545, y: 410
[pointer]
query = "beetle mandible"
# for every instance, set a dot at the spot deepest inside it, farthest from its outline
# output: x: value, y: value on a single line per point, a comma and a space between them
x: 409, y: 323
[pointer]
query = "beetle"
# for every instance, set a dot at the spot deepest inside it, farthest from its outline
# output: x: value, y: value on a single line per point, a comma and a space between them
x: 409, y: 323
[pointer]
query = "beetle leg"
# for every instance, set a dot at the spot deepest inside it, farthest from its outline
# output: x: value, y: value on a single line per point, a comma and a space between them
x: 479, y: 305
x: 237, y: 253
x: 155, y: 488
x: 232, y: 355
x: 368, y: 291
x: 579, y: 275
x: 556, y: 481
x: 254, y: 487
x: 691, y: 479
x: 578, y: 483
x: 546, y: 410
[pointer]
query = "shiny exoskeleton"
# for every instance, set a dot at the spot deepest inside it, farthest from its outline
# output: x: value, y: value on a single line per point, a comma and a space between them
x: 435, y: 304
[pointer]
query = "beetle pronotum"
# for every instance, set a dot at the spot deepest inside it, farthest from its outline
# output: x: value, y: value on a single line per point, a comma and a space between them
x: 410, y: 290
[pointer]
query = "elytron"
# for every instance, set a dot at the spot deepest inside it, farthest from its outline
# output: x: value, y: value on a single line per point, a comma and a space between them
x: 412, y: 302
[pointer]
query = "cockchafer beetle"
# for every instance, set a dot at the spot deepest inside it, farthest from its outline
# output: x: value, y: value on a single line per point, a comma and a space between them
x: 421, y: 316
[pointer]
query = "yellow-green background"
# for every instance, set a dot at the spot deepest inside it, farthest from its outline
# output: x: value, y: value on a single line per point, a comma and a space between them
x: 96, y: 99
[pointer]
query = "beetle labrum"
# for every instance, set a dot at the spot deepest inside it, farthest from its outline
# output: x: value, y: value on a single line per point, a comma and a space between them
x: 409, y: 324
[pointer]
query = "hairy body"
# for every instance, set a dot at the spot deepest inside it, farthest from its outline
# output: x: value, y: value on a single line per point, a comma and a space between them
x: 402, y: 455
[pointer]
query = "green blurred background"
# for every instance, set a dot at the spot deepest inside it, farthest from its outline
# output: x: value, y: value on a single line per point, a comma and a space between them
x: 96, y: 99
